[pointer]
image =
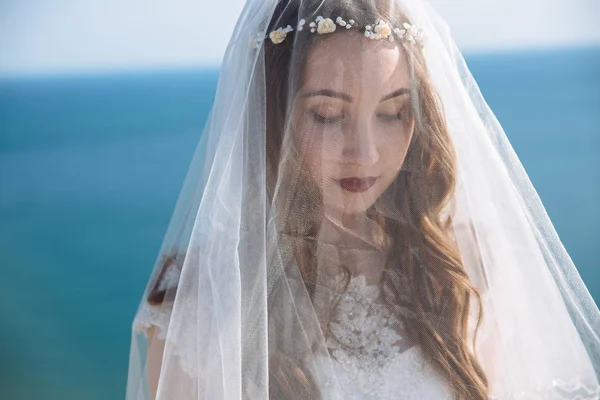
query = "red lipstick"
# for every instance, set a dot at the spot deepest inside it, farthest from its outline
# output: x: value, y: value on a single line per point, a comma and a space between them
x: 356, y: 185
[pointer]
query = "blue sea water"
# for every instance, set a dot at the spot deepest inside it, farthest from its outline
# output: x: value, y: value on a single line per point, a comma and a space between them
x: 91, y: 166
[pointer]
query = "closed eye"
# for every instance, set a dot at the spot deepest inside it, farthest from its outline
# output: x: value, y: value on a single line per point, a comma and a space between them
x: 399, y: 116
x: 391, y: 117
x: 326, y: 120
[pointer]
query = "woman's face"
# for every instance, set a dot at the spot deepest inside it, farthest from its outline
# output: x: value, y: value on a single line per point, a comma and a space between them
x: 352, y: 119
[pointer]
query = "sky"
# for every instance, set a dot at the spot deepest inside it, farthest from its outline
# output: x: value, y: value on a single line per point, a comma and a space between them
x: 62, y: 36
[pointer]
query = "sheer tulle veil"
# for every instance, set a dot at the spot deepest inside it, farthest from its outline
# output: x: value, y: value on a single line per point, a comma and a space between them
x: 354, y: 224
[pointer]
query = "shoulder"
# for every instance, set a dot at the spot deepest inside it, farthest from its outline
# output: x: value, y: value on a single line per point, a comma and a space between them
x: 153, y: 319
x: 157, y: 304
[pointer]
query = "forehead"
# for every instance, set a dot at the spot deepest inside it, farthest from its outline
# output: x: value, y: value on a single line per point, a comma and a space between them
x: 350, y: 62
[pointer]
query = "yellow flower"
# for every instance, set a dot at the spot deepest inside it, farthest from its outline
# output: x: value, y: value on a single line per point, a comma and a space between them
x: 383, y: 29
x: 278, y: 36
x: 326, y: 26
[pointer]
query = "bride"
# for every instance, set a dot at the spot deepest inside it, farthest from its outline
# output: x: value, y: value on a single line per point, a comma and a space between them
x: 355, y: 225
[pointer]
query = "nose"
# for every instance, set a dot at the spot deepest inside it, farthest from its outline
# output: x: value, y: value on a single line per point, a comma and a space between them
x: 360, y: 145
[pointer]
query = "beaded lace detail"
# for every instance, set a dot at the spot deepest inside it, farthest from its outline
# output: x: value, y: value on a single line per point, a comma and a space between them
x: 364, y: 332
x: 371, y: 358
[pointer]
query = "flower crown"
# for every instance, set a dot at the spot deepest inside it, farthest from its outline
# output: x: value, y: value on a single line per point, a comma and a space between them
x: 380, y: 30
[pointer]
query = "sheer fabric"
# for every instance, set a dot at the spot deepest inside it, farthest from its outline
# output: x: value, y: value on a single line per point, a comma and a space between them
x: 356, y: 225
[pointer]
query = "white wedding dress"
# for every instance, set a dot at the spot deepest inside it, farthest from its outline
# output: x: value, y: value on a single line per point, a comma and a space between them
x: 372, y: 358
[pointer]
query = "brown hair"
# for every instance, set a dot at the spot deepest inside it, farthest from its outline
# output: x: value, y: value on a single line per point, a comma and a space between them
x: 424, y: 281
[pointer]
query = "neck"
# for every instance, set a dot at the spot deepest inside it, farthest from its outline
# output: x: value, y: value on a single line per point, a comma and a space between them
x: 353, y: 242
x: 354, y: 231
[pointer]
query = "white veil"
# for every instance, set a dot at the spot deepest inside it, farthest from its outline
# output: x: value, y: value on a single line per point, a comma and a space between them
x: 245, y: 296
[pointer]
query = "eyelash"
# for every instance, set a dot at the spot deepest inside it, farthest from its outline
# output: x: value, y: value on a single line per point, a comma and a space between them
x: 332, y: 120
x: 392, y: 117
x: 325, y: 120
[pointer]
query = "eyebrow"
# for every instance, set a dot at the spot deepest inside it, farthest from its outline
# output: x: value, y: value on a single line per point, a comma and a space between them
x: 348, y: 98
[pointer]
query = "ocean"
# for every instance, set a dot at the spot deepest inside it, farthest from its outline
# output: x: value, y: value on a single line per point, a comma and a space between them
x: 91, y: 166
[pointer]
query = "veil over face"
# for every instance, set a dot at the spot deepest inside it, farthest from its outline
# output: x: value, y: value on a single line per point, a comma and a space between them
x: 356, y: 225
x: 352, y: 117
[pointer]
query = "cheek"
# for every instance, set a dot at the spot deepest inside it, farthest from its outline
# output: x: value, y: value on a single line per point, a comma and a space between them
x: 310, y: 153
x: 319, y: 149
x: 393, y: 149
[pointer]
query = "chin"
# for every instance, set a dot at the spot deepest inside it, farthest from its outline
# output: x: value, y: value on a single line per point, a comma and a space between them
x: 358, y: 209
x: 351, y: 203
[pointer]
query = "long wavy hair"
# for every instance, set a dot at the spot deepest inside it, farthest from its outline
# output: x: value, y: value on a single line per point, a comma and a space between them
x: 424, y: 281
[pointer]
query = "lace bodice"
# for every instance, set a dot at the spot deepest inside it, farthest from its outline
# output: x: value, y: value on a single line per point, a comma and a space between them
x: 372, y: 359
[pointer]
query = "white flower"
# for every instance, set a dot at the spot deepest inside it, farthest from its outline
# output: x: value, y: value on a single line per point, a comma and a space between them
x: 410, y: 32
x: 383, y: 29
x: 340, y: 21
x: 325, y: 25
x: 278, y: 35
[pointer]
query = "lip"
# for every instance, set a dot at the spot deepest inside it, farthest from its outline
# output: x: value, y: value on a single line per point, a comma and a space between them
x: 355, y: 184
